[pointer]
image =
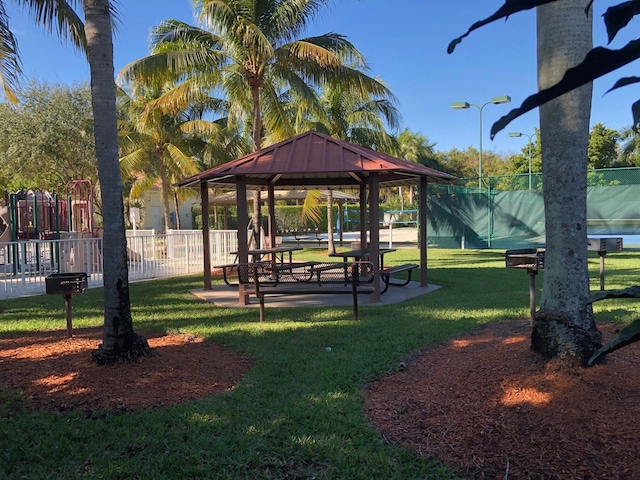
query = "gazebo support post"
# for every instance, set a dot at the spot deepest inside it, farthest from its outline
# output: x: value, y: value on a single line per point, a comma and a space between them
x: 271, y: 222
x: 422, y: 240
x: 243, y: 221
x: 340, y: 222
x: 206, y: 250
x: 374, y: 232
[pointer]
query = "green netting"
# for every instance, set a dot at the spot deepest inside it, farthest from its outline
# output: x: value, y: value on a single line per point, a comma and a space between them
x: 509, y: 214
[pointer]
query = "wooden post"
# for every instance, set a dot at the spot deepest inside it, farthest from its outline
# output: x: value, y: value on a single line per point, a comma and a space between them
x: 206, y: 250
x: 423, y: 232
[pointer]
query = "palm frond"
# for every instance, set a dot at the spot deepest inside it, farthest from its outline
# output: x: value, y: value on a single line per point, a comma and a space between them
x: 59, y: 15
x: 311, y: 206
x: 10, y: 70
x: 142, y: 185
x: 137, y: 161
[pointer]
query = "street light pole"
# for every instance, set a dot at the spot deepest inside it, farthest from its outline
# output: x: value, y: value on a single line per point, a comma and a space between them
x: 520, y: 134
x: 465, y: 105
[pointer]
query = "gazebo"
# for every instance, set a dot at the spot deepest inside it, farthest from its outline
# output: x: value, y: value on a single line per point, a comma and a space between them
x: 313, y: 160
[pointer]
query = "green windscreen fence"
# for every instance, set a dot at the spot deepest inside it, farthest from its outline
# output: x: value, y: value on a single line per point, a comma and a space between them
x: 507, y: 214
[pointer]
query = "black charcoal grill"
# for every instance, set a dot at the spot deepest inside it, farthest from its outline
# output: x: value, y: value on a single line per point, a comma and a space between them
x: 602, y: 245
x: 67, y: 285
x: 531, y: 259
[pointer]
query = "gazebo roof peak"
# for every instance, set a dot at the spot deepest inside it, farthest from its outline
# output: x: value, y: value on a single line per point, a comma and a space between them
x: 314, y: 160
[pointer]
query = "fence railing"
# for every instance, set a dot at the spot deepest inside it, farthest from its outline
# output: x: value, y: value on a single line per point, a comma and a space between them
x: 24, y: 265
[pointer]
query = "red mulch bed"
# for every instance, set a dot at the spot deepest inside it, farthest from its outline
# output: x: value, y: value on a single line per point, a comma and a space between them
x: 58, y: 373
x: 485, y: 405
x: 482, y: 403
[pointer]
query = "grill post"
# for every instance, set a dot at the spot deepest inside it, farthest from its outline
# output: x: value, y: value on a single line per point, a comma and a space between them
x: 602, y: 245
x: 66, y: 284
x: 67, y: 302
x: 531, y: 259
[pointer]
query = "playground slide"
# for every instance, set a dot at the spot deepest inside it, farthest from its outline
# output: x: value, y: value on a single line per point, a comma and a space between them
x: 5, y: 231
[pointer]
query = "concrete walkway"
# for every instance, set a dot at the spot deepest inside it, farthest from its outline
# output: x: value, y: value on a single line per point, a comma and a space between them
x: 225, y: 296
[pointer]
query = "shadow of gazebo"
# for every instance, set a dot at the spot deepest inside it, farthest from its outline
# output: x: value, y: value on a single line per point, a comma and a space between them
x: 313, y: 160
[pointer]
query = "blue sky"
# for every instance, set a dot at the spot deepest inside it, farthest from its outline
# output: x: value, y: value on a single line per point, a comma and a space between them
x: 405, y: 44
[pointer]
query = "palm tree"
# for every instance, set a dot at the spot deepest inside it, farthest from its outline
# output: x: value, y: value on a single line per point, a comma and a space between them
x: 630, y: 149
x: 355, y: 116
x: 414, y: 147
x: 251, y: 50
x: 119, y: 338
x: 157, y: 146
x: 564, y: 326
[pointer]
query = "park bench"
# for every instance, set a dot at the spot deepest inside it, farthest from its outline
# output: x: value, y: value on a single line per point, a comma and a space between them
x: 333, y: 278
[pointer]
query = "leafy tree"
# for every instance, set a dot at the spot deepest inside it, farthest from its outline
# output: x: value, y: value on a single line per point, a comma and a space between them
x: 564, y: 326
x: 252, y: 51
x: 461, y: 163
x: 46, y: 139
x: 603, y: 147
x: 519, y: 163
x: 630, y: 148
x: 464, y: 163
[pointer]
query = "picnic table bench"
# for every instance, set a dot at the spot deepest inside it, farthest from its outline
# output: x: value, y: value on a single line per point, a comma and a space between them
x: 386, y: 273
x: 307, y: 278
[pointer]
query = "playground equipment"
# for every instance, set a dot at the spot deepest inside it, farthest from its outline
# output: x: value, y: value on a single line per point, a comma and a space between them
x: 36, y: 216
x: 5, y: 231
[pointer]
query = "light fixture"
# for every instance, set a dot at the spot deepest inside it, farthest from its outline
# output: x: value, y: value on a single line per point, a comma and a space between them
x: 464, y: 105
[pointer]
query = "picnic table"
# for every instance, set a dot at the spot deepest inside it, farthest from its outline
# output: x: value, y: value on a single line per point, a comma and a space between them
x: 385, y: 273
x: 362, y: 253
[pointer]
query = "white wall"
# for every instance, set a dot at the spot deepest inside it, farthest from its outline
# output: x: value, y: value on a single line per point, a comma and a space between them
x: 154, y: 216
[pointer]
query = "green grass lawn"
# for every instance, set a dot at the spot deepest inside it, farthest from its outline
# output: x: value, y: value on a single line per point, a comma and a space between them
x: 299, y: 412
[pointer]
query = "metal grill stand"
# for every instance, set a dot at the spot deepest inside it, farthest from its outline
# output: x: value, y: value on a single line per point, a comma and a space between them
x: 66, y: 284
x: 602, y: 245
x: 531, y: 259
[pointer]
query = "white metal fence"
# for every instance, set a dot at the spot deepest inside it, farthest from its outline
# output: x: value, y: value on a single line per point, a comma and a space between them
x: 24, y: 265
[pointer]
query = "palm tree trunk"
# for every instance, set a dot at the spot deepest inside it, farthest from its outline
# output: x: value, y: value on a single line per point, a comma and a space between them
x: 256, y: 136
x: 164, y: 190
x: 177, y: 204
x: 119, y: 339
x: 564, y: 327
x: 331, y: 246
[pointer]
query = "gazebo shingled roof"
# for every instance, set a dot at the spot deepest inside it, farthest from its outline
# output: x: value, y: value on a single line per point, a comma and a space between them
x: 313, y: 160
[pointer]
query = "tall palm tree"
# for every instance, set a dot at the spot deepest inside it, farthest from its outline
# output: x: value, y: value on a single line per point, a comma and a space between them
x: 119, y: 339
x: 157, y: 146
x: 252, y: 51
x: 355, y: 116
x: 564, y: 326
